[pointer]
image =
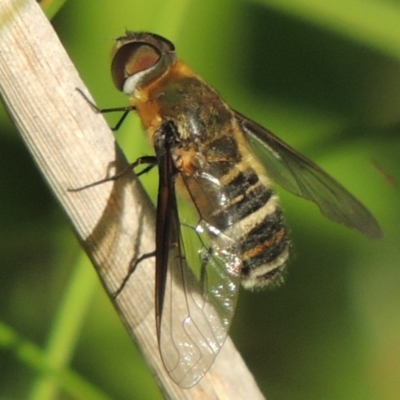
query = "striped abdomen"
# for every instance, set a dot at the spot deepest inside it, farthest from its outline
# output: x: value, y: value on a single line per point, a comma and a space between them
x: 253, y: 218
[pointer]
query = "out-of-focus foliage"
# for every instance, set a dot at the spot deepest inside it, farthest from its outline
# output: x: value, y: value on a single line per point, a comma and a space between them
x: 51, y: 7
x: 324, y: 76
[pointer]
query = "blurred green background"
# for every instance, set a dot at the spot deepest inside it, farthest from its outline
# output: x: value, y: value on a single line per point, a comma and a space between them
x: 324, y: 76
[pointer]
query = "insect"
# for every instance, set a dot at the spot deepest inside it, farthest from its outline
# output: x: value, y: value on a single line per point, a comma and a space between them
x: 236, y: 232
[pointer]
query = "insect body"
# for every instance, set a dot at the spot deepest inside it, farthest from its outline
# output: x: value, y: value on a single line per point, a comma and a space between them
x: 205, y: 149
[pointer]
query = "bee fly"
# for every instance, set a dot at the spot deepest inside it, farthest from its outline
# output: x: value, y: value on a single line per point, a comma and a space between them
x: 206, y: 150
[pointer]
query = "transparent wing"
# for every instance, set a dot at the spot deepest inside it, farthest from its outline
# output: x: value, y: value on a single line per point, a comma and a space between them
x: 302, y: 177
x: 194, y: 306
x: 197, y: 312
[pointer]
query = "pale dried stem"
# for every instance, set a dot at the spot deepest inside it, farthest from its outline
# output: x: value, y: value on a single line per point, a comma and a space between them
x: 73, y: 146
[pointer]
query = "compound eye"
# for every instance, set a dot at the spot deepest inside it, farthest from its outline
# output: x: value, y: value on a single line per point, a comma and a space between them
x: 130, y: 59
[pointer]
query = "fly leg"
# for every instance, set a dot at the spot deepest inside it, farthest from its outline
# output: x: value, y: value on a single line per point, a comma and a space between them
x: 134, y: 263
x: 205, y: 255
x: 150, y: 160
x: 98, y: 110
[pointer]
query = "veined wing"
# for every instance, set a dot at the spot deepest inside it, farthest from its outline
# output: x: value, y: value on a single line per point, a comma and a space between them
x: 302, y: 177
x: 194, y: 307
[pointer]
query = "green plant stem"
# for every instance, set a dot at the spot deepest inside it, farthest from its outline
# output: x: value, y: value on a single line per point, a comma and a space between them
x: 66, y: 327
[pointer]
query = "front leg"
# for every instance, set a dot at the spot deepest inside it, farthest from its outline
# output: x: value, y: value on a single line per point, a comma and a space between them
x: 150, y: 160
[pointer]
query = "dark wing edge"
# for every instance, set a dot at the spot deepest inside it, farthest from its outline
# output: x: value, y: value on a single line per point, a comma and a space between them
x: 302, y: 177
